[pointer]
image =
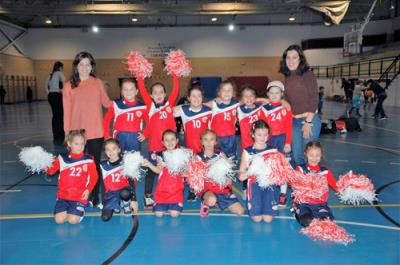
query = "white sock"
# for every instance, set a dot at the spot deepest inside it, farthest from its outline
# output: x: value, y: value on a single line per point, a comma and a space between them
x: 284, y: 188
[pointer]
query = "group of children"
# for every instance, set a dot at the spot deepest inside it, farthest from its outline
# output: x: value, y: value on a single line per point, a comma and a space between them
x: 210, y: 131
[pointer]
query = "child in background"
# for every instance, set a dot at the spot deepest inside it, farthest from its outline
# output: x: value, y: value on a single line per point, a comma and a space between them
x: 224, y: 110
x: 320, y: 99
x: 213, y: 194
x: 195, y: 118
x: 161, y: 118
x: 248, y: 113
x: 128, y: 115
x: 168, y: 196
x: 279, y: 120
x: 356, y: 102
x: 77, y: 178
x: 262, y: 204
x: 120, y: 190
x: 314, y: 208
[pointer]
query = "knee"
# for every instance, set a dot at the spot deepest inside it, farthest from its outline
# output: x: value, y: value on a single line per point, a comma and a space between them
x: 125, y: 195
x: 267, y: 218
x: 73, y: 220
x: 106, y: 215
x: 174, y: 213
x: 211, y: 201
x: 159, y: 214
x: 256, y: 219
x: 305, y: 220
x: 59, y: 220
x: 238, y: 211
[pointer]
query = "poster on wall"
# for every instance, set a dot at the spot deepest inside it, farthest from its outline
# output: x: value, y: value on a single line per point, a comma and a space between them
x: 159, y: 50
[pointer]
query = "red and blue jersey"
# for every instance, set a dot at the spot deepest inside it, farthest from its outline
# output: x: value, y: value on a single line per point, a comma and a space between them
x: 161, y: 116
x: 77, y: 174
x: 128, y: 117
x: 169, y: 188
x: 112, y: 178
x: 224, y: 118
x: 195, y: 122
x: 321, y: 171
x: 279, y: 120
x: 210, y: 186
x: 247, y: 116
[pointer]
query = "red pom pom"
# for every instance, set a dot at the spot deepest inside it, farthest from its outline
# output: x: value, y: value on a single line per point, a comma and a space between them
x: 308, y: 187
x: 177, y: 64
x: 355, y: 189
x: 327, y: 230
x: 138, y: 65
x: 195, y: 175
x: 280, y: 171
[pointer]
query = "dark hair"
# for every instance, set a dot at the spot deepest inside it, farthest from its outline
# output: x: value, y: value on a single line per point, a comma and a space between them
x: 169, y: 131
x: 57, y: 66
x: 248, y: 87
x: 75, y: 80
x: 260, y: 124
x: 303, y: 65
x: 313, y: 144
x: 158, y: 84
x: 111, y: 141
x: 195, y: 87
x: 225, y: 82
x: 72, y: 134
x: 129, y: 80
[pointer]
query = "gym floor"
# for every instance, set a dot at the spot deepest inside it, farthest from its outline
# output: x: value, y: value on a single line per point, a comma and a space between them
x: 29, y: 234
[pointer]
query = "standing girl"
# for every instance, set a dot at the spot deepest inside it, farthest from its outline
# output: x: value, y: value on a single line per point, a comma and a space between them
x: 306, y: 211
x: 224, y: 118
x: 168, y: 196
x: 262, y: 204
x: 213, y: 194
x: 279, y: 120
x: 83, y: 98
x: 77, y: 178
x: 161, y: 118
x: 128, y: 115
x: 120, y: 190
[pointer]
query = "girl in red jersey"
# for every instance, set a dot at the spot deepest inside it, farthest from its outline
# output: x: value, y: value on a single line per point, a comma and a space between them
x: 78, y: 176
x: 213, y: 194
x: 161, y: 118
x: 168, y: 196
x: 312, y: 208
x: 279, y: 119
x: 129, y: 115
x: 224, y: 110
x: 196, y: 119
x: 120, y: 190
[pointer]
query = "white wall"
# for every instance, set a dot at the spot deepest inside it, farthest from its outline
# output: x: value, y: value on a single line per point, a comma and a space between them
x: 196, y: 42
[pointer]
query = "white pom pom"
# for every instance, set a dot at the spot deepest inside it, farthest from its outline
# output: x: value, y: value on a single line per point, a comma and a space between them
x: 220, y: 171
x: 355, y: 189
x: 131, y: 165
x: 36, y: 159
x: 177, y: 160
x: 259, y: 169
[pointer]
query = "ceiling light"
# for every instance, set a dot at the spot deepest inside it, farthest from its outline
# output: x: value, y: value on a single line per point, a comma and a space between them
x: 391, y: 6
x: 95, y: 29
x: 231, y: 27
x: 48, y: 21
x: 135, y: 19
x: 292, y: 18
x: 213, y: 19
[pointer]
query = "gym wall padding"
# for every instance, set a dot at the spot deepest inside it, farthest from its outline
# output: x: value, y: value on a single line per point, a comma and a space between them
x: 259, y: 82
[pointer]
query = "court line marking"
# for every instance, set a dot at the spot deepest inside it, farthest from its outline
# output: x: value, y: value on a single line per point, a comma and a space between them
x: 395, y: 163
x: 379, y: 128
x: 10, y: 190
x: 362, y: 145
x: 38, y: 216
x: 14, y: 142
x: 368, y: 162
x: 10, y: 161
x: 341, y: 160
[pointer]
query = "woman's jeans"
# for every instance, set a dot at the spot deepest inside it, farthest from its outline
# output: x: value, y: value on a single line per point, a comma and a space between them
x: 299, y: 142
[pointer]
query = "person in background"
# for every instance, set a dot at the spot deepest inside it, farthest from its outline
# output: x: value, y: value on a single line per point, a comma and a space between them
x: 356, y: 102
x: 54, y: 85
x: 381, y: 95
x: 83, y: 98
x: 2, y: 94
x: 29, y: 94
x: 321, y: 99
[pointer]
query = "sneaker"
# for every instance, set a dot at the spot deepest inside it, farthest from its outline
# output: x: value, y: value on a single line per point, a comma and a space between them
x: 126, y: 207
x: 374, y: 116
x: 191, y: 197
x: 204, y: 210
x: 100, y: 206
x: 383, y: 118
x: 282, y: 200
x: 148, y: 202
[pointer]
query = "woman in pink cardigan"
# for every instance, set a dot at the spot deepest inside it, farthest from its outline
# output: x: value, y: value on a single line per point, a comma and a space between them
x: 83, y: 98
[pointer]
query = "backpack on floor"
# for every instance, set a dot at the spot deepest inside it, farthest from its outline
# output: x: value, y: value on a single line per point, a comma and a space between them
x: 328, y: 127
x: 352, y: 124
x: 340, y: 125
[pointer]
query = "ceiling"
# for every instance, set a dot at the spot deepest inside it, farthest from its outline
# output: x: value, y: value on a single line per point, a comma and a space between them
x: 168, y: 13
